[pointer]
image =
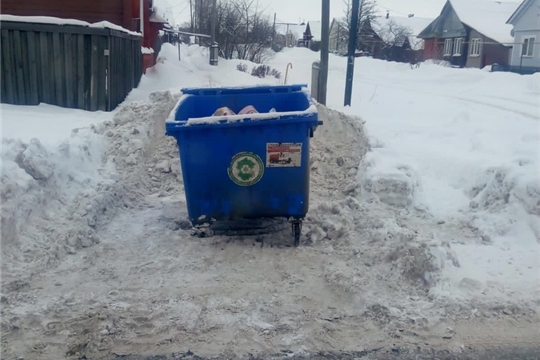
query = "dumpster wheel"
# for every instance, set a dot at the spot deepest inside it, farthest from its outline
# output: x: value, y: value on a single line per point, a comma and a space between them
x: 296, y: 230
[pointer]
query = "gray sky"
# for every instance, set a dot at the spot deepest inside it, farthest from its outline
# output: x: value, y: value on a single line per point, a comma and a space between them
x: 293, y: 10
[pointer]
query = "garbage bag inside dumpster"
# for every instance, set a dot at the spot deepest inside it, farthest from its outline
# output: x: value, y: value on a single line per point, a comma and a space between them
x: 244, y: 166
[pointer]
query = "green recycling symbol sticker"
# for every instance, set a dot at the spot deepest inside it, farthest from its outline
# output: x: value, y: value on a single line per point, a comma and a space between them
x: 246, y: 169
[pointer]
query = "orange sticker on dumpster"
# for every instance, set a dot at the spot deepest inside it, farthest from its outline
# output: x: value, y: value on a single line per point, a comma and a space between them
x: 283, y: 154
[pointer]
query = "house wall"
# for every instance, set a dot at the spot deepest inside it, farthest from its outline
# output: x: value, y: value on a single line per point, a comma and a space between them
x: 458, y: 60
x: 433, y: 49
x: 528, y: 24
x: 447, y: 25
x: 496, y: 54
x: 516, y: 59
x: 529, y: 20
x: 476, y: 61
x: 90, y: 11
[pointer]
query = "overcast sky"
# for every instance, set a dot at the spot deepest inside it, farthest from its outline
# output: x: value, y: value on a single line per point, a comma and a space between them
x: 293, y: 10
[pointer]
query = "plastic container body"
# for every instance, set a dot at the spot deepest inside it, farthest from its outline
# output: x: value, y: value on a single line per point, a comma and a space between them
x: 244, y: 166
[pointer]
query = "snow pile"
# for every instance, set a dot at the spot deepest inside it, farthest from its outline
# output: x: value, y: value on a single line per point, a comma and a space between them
x: 53, y: 197
x: 423, y: 205
x: 459, y: 151
x: 57, y: 196
x: 384, y: 252
x: 193, y: 70
x: 162, y: 12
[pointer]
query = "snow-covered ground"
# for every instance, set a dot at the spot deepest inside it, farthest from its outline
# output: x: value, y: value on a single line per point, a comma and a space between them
x: 423, y: 229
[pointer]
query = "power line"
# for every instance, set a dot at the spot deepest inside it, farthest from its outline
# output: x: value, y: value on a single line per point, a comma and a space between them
x: 398, y: 12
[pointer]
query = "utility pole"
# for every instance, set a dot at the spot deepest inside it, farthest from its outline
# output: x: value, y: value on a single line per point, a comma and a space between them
x: 274, y: 32
x: 191, y: 14
x: 213, y: 22
x: 353, y: 31
x: 325, y: 37
x: 213, y: 44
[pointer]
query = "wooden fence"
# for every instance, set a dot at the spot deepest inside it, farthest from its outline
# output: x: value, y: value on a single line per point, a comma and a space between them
x: 71, y: 66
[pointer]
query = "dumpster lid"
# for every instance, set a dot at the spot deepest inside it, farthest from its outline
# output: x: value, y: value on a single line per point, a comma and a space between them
x: 262, y: 89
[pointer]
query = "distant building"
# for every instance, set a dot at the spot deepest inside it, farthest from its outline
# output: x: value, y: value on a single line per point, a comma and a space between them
x: 338, y: 42
x: 397, y: 39
x: 470, y: 33
x: 312, y: 36
x: 288, y: 34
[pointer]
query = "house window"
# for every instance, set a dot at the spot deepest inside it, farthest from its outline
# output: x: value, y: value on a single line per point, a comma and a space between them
x: 475, y: 46
x: 527, y: 49
x: 448, y: 47
x: 458, y: 44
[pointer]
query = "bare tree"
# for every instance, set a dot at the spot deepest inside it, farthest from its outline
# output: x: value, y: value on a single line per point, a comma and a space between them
x: 256, y: 30
x: 243, y: 29
x: 394, y: 34
x: 367, y: 11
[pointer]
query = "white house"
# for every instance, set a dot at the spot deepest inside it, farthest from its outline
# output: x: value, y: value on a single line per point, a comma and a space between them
x: 525, y: 56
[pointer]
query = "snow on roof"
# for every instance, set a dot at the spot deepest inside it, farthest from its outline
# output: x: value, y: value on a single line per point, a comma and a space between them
x: 162, y: 12
x: 316, y: 29
x: 60, y: 21
x: 487, y: 17
x: 296, y: 30
x: 414, y: 24
x: 146, y: 50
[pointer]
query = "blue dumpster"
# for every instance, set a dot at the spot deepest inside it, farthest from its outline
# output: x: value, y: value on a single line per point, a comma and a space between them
x: 245, y: 166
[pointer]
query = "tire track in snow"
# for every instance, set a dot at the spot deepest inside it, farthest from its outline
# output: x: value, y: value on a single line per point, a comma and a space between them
x: 489, y: 104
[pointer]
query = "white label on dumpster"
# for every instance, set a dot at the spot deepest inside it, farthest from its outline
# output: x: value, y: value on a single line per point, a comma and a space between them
x: 283, y: 154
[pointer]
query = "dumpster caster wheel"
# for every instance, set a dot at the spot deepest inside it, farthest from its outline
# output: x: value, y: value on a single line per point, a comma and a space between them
x: 297, y: 229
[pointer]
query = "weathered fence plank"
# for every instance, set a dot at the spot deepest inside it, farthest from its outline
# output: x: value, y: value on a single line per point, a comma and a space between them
x: 25, y: 66
x: 94, y: 74
x: 68, y: 69
x: 58, y: 69
x: 45, y: 69
x: 8, y: 68
x: 16, y: 46
x: 80, y: 72
x: 70, y: 66
x: 32, y: 69
x: 102, y: 73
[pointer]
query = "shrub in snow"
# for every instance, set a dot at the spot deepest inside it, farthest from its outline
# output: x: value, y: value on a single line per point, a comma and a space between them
x: 242, y: 67
x: 262, y: 71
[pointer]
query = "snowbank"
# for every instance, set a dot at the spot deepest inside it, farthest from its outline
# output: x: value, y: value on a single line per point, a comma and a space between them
x: 60, y: 186
x: 428, y: 184
x: 423, y: 212
x: 193, y: 70
x: 457, y: 147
